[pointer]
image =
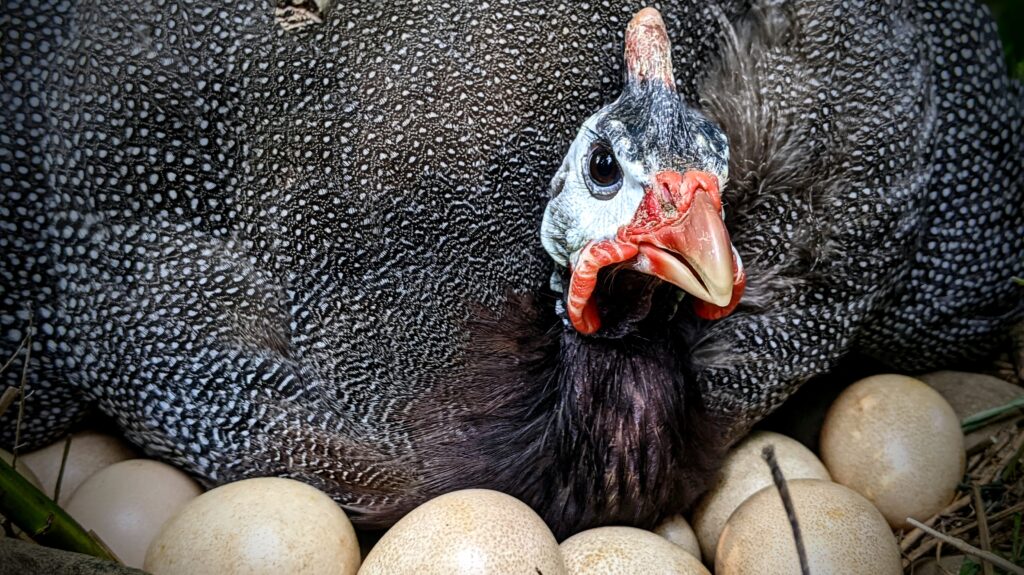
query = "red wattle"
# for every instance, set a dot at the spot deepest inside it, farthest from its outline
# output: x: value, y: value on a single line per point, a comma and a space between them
x: 580, y: 308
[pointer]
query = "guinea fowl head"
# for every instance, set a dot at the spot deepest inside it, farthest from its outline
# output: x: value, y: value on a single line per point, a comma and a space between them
x: 601, y: 422
x: 639, y: 191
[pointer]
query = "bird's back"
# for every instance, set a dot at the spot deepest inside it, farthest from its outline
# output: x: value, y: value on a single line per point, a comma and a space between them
x: 876, y: 193
x: 256, y: 250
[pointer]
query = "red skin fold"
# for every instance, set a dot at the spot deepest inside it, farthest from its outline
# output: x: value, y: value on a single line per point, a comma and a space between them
x: 660, y: 226
x: 581, y: 309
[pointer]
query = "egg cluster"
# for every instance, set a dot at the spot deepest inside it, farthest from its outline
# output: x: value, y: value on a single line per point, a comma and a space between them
x: 891, y: 448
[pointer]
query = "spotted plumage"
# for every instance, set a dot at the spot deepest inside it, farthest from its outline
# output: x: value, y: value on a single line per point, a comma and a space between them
x: 264, y: 251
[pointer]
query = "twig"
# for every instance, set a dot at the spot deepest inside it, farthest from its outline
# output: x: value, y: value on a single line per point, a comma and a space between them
x: 21, y: 403
x: 1000, y: 442
x: 996, y: 518
x: 914, y: 534
x: 997, y: 527
x: 995, y: 522
x: 981, y: 419
x: 938, y: 558
x: 13, y: 355
x: 1001, y: 456
x: 978, y: 448
x: 1010, y: 467
x: 969, y: 549
x: 1016, y: 547
x: 979, y: 510
x: 7, y: 399
x: 768, y: 454
x: 60, y: 473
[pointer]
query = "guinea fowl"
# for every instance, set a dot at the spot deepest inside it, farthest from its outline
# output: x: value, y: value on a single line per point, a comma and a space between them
x: 314, y: 253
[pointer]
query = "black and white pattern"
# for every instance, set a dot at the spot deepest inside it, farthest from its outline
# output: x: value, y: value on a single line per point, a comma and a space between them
x: 877, y: 192
x: 257, y: 249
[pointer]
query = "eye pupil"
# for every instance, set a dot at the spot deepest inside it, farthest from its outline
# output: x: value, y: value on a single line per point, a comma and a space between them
x: 603, y: 167
x: 604, y: 172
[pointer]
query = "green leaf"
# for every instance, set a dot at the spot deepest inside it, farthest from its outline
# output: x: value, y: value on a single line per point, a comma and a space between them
x: 969, y: 567
x: 42, y: 519
x: 983, y: 418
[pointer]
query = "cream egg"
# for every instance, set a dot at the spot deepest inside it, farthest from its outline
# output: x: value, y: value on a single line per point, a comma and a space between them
x: 614, y: 550
x: 265, y: 525
x: 128, y: 502
x: 897, y: 442
x: 677, y: 530
x: 471, y: 531
x: 89, y: 452
x: 842, y: 533
x: 744, y: 473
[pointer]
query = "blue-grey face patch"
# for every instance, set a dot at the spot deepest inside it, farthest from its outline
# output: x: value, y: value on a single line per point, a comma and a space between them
x: 663, y: 132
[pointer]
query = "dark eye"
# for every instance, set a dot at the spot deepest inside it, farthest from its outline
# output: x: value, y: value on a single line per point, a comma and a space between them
x: 604, y: 174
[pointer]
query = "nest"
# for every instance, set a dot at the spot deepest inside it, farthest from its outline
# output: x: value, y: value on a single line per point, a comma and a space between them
x: 988, y: 508
x: 985, y: 519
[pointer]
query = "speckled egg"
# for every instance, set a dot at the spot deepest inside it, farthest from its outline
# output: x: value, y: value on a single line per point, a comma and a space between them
x: 626, y: 550
x: 971, y: 393
x: 90, y: 451
x: 266, y: 525
x: 677, y: 530
x: 128, y: 502
x: 898, y: 443
x: 744, y: 473
x: 842, y: 533
x: 471, y: 531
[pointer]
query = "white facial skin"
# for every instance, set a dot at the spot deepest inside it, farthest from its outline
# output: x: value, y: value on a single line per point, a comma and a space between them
x: 575, y: 216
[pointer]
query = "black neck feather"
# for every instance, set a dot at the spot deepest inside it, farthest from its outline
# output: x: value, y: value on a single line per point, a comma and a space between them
x: 588, y: 431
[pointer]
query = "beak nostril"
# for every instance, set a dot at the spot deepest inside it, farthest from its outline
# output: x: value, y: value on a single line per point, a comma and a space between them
x: 666, y: 193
